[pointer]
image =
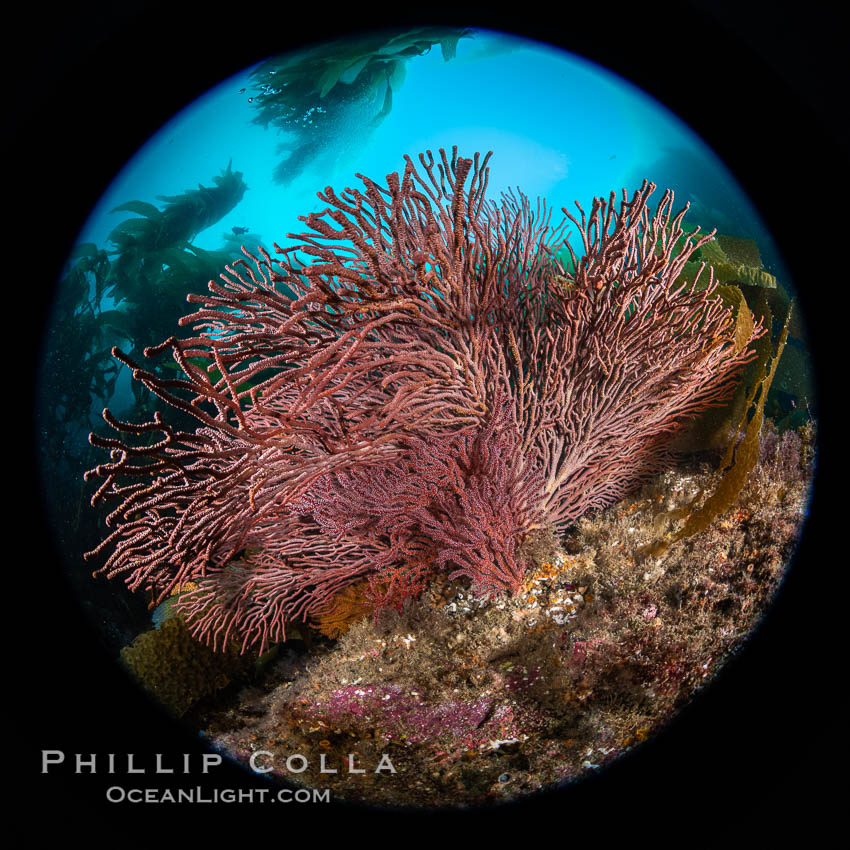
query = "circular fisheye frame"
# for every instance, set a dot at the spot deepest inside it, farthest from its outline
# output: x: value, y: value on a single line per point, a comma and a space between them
x: 426, y: 464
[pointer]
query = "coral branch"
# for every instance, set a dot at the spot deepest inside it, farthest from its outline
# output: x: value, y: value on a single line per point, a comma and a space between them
x: 425, y: 390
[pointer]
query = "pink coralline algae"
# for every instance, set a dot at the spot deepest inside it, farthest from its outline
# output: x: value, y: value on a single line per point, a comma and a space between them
x: 399, y: 715
x: 425, y: 382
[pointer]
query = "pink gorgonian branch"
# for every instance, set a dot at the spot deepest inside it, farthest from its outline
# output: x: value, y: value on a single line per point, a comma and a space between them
x: 418, y: 385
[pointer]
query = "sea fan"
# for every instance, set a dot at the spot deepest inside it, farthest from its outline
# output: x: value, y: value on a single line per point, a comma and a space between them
x: 430, y: 387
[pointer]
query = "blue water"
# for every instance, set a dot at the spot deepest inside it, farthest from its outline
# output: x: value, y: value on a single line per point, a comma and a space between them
x: 559, y: 126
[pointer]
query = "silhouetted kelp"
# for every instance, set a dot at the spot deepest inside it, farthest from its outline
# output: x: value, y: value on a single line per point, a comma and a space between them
x: 313, y: 95
x: 118, y: 295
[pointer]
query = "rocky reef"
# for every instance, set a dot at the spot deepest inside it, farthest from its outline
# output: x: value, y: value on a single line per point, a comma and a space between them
x: 456, y: 701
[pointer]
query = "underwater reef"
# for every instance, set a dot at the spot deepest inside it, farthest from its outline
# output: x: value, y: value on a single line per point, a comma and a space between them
x: 429, y: 386
x: 477, y: 702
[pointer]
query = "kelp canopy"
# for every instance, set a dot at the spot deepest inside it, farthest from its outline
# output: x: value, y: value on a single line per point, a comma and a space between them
x: 309, y: 95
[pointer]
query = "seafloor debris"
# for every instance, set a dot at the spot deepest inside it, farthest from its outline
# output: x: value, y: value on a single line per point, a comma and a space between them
x: 477, y: 701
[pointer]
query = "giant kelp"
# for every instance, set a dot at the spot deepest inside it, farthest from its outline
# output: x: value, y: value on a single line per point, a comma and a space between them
x: 742, y: 452
x: 790, y: 397
x: 77, y: 367
x: 181, y: 218
x: 342, y: 87
x: 155, y: 265
x: 152, y: 248
x: 117, y: 295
